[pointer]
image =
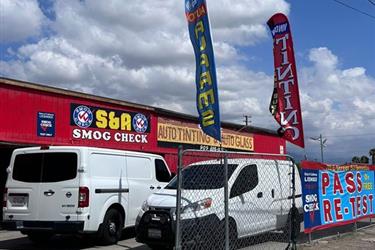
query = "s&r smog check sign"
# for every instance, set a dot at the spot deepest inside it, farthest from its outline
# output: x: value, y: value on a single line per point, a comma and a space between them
x: 102, y: 124
x: 335, y: 195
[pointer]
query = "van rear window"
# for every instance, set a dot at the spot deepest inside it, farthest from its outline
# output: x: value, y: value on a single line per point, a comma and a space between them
x: 45, y: 167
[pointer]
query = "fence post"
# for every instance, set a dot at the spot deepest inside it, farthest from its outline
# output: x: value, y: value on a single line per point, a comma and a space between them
x: 178, y: 199
x: 226, y: 198
x: 292, y: 241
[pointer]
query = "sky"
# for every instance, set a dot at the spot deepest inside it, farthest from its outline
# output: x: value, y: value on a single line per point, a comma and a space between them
x: 140, y: 51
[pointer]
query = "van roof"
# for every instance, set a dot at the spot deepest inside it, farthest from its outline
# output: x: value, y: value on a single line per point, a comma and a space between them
x: 83, y: 148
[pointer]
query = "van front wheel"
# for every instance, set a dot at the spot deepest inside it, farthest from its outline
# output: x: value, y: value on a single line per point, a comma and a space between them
x: 111, y: 229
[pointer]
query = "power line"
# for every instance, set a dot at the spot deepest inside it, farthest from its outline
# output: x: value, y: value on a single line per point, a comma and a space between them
x: 355, y: 9
x: 370, y: 1
x: 352, y: 135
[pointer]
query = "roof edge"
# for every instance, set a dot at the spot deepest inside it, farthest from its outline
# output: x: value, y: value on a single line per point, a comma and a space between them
x: 66, y: 92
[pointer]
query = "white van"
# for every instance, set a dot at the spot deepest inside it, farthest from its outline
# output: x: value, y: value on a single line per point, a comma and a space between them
x: 260, y: 200
x: 71, y: 189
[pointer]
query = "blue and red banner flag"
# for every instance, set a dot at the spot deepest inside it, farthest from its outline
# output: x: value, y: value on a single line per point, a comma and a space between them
x: 205, y: 76
x: 335, y: 195
x: 285, y: 104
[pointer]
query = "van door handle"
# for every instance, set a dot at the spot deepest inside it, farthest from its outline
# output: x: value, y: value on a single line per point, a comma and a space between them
x: 158, y: 187
x: 273, y: 193
x: 260, y: 195
x: 152, y: 187
x: 49, y: 193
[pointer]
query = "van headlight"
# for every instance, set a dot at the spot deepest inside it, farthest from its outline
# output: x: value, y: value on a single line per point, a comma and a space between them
x: 145, y: 207
x: 197, y: 206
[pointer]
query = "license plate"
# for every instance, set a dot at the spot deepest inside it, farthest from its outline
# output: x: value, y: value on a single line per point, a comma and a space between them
x: 154, y: 233
x: 18, y: 201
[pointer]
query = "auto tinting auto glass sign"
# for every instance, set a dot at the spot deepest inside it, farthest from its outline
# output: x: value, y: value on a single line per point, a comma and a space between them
x: 205, y: 76
x: 46, y: 124
x: 336, y: 195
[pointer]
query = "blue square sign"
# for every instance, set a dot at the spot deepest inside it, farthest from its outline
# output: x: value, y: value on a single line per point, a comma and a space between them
x: 46, y: 124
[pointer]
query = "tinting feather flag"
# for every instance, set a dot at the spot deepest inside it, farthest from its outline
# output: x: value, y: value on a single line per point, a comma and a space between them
x: 205, y: 76
x: 285, y: 104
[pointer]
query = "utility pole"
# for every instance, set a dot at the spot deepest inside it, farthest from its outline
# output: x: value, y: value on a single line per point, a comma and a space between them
x: 247, y: 122
x: 247, y: 119
x: 322, y: 144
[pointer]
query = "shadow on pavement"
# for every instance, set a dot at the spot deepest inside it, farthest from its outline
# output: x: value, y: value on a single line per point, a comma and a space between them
x: 60, y: 242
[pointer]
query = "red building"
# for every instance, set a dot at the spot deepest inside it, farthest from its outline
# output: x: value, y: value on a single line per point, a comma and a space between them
x: 36, y: 115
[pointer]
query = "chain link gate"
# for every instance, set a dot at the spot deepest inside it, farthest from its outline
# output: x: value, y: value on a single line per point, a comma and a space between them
x: 236, y: 200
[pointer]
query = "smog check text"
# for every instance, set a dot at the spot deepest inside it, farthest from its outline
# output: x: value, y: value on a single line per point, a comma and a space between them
x: 107, y: 136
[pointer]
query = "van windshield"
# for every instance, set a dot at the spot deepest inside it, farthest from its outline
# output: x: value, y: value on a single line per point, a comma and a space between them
x: 205, y: 176
x: 45, y: 167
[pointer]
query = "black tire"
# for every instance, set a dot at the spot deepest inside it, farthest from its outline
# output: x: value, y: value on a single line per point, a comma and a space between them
x: 219, y: 240
x: 39, y: 238
x: 233, y: 234
x: 111, y: 229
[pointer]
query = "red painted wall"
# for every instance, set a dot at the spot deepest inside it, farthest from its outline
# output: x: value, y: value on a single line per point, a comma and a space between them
x: 269, y: 144
x: 19, y: 109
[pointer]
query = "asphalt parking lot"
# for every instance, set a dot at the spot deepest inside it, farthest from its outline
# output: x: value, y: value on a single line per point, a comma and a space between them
x: 13, y: 240
x: 363, y: 239
x: 338, y: 238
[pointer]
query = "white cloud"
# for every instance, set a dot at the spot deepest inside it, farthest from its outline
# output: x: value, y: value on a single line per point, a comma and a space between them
x: 20, y: 19
x: 338, y: 103
x: 243, y: 22
x: 323, y: 58
x: 132, y: 51
x: 139, y: 51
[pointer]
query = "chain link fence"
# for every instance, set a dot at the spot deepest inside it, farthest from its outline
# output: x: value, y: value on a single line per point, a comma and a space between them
x: 233, y: 200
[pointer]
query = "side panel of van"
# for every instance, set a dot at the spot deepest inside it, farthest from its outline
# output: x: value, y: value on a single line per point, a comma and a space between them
x: 141, y: 179
x: 270, y: 183
x: 285, y: 170
x: 256, y: 207
x: 108, y: 185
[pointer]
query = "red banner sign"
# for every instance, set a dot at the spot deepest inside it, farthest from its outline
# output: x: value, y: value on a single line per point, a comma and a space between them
x: 285, y: 104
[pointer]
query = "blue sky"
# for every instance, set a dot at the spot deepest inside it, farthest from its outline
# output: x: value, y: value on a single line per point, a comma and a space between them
x: 140, y: 51
x: 348, y: 33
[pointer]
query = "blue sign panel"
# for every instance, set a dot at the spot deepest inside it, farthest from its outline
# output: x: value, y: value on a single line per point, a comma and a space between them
x: 46, y: 124
x: 336, y: 195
